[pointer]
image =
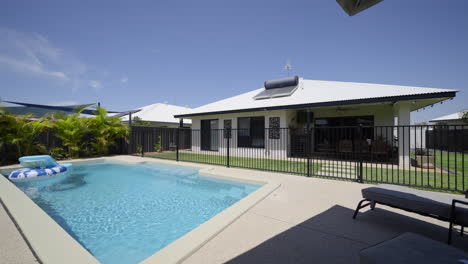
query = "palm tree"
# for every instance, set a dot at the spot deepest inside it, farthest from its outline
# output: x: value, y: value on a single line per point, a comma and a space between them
x: 21, y: 131
x: 105, y: 130
x: 70, y: 129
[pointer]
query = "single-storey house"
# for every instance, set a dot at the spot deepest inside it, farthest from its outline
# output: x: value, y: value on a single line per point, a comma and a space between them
x: 451, y: 119
x: 160, y: 115
x: 296, y: 103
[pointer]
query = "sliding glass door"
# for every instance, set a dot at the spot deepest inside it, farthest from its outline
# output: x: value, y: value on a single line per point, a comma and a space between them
x: 209, y: 135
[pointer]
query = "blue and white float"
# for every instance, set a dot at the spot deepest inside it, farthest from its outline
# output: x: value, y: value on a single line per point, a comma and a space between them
x: 38, y: 167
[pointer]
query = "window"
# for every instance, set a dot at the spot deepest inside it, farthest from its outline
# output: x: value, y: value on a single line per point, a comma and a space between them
x: 329, y: 132
x: 251, y: 132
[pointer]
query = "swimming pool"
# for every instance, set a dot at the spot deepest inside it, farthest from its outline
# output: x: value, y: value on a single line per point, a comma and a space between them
x: 125, y: 213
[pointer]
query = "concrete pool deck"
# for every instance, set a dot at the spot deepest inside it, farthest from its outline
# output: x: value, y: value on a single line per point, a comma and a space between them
x: 13, y: 248
x: 304, y: 220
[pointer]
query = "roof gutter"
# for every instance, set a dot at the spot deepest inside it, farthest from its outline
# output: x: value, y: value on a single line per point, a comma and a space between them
x: 332, y: 103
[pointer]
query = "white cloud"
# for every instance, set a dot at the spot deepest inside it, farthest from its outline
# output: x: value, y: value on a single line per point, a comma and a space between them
x: 33, y: 54
x: 124, y: 80
x: 96, y: 85
x: 29, y: 67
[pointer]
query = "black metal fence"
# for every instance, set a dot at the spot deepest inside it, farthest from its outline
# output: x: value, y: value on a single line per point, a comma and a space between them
x: 151, y: 139
x: 448, y: 137
x: 406, y: 155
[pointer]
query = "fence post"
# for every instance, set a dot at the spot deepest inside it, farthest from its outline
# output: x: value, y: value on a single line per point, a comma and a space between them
x: 129, y: 145
x: 308, y: 141
x: 227, y: 146
x: 360, y: 180
x: 177, y: 144
x: 142, y: 142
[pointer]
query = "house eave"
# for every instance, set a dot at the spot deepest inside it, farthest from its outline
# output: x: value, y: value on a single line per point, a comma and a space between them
x: 331, y: 103
x: 445, y: 120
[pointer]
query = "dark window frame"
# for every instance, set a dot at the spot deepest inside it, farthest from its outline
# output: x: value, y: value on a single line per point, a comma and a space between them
x: 371, y: 117
x: 253, y: 132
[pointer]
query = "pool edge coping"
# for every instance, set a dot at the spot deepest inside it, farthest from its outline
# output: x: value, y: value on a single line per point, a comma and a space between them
x: 38, y: 227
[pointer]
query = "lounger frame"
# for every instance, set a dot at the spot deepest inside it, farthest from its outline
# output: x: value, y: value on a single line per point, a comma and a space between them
x: 451, y: 219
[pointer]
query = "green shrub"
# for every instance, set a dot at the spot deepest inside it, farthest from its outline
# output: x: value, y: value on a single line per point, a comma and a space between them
x: 58, y: 153
x: 157, y: 145
x: 139, y: 148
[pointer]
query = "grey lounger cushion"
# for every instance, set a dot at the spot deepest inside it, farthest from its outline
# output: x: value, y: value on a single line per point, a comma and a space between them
x: 410, y: 248
x: 424, y: 202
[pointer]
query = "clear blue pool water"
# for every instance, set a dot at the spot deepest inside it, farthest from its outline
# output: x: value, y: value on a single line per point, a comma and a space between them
x: 125, y: 213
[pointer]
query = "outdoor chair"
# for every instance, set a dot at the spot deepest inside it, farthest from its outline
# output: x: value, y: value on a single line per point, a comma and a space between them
x: 410, y: 248
x: 450, y: 208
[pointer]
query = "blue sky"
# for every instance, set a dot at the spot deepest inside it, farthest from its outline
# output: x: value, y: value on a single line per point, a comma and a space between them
x: 127, y: 54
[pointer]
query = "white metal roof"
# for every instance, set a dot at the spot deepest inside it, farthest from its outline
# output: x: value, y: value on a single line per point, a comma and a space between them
x: 454, y: 116
x: 314, y: 92
x: 160, y: 112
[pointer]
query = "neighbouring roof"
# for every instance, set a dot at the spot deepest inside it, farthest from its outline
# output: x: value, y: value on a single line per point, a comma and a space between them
x: 313, y: 93
x: 450, y: 117
x: 160, y: 112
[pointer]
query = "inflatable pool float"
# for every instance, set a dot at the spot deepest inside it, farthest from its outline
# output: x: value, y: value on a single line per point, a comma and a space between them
x: 38, y: 167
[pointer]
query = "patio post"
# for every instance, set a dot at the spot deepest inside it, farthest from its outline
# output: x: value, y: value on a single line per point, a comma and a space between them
x: 360, y: 172
x: 404, y: 120
x: 308, y: 142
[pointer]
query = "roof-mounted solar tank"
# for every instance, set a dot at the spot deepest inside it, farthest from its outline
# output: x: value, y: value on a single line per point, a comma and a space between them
x: 278, y: 88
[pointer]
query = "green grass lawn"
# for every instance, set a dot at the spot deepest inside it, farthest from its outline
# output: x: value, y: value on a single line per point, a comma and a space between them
x: 291, y: 166
x: 455, y: 163
x: 416, y: 177
x: 381, y: 173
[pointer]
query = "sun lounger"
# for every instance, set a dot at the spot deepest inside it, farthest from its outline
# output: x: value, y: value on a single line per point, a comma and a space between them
x: 410, y: 248
x: 450, y: 208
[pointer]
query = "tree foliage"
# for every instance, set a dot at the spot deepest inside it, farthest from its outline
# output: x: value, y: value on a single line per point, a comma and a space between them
x: 21, y: 132
x: 105, y: 130
x: 137, y: 121
x: 465, y: 116
x: 79, y: 136
x: 70, y: 129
